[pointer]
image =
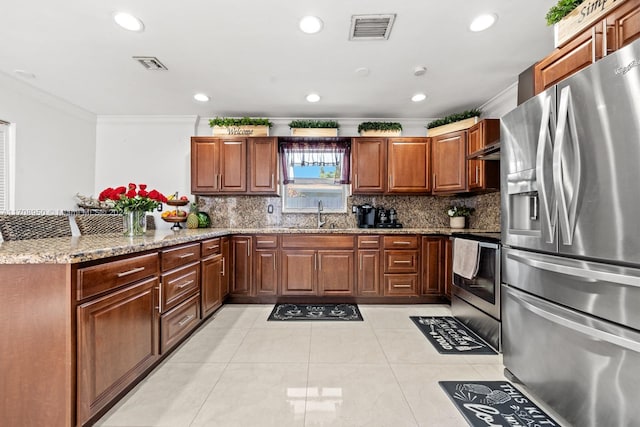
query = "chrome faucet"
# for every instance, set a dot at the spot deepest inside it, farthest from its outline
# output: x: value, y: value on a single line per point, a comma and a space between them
x: 320, y: 221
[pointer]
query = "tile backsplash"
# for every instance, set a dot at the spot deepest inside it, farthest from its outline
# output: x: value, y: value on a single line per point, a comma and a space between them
x: 413, y: 211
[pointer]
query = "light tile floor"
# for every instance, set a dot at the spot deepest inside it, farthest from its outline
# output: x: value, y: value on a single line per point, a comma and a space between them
x: 240, y: 370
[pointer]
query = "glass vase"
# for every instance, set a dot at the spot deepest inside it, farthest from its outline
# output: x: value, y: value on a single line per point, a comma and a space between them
x: 134, y: 223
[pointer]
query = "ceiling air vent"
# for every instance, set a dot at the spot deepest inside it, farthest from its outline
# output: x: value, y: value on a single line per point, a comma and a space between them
x: 151, y: 63
x: 371, y: 27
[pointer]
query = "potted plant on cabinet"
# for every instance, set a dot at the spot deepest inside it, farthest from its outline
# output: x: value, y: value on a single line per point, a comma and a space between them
x: 314, y: 128
x: 568, y: 19
x: 380, y: 129
x: 245, y: 126
x: 453, y: 122
x: 458, y: 215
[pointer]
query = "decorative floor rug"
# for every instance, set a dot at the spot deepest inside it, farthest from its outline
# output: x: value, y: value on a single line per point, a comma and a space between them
x: 495, y: 403
x: 449, y: 336
x: 315, y: 312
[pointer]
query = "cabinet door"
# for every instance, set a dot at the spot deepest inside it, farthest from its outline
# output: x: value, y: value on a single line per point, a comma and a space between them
x: 368, y: 165
x: 266, y: 272
x: 226, y: 267
x: 263, y: 161
x: 335, y: 272
x: 623, y: 25
x: 205, y: 161
x: 211, y: 274
x: 408, y: 164
x: 449, y: 162
x: 475, y: 168
x: 368, y: 272
x: 483, y: 174
x: 117, y: 342
x: 298, y: 272
x: 233, y: 165
x: 448, y: 268
x: 432, y: 266
x: 401, y: 284
x: 241, y: 270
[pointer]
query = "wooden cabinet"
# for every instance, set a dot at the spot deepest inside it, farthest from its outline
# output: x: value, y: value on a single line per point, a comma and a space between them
x: 432, y: 266
x: 448, y: 267
x: 317, y: 265
x: 266, y: 264
x: 483, y: 175
x: 263, y: 165
x: 226, y: 267
x: 212, y: 275
x: 117, y: 341
x: 368, y: 270
x: 614, y: 31
x: 241, y: 265
x: 222, y: 165
x: 369, y: 159
x: 401, y: 261
x: 408, y: 164
x: 449, y: 162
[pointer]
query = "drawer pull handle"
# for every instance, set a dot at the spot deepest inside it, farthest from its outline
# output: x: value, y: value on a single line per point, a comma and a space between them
x: 401, y: 243
x: 185, y: 284
x: 369, y: 242
x: 177, y: 279
x: 402, y: 262
x: 213, y: 247
x: 223, y: 267
x: 401, y: 286
x: 186, y: 320
x: 260, y: 242
x: 190, y: 254
x: 132, y: 271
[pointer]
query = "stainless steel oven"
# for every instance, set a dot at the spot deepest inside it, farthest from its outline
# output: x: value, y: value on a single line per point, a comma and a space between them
x: 476, y: 301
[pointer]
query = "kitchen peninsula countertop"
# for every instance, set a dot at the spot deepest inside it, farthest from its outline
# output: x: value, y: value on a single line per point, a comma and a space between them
x: 69, y: 250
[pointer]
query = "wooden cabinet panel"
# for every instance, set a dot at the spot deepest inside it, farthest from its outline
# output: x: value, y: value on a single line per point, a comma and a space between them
x: 226, y: 267
x: 317, y: 241
x: 177, y: 323
x: 368, y: 242
x: 117, y: 342
x: 266, y: 271
x: 368, y: 272
x: 263, y: 165
x: 448, y: 267
x: 266, y: 241
x: 241, y: 265
x: 369, y: 157
x: 624, y: 23
x: 179, y: 256
x: 401, y: 261
x: 483, y: 174
x: 335, y: 272
x: 205, y: 165
x: 432, y: 266
x: 401, y: 284
x: 449, y: 162
x: 408, y: 163
x: 178, y: 284
x: 233, y: 165
x: 211, y: 289
x: 210, y: 247
x: 298, y: 272
x: 401, y: 242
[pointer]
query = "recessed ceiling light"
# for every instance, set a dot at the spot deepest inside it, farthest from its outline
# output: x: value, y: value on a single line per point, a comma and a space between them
x: 418, y: 97
x: 311, y: 24
x: 362, y: 71
x: 201, y: 97
x: 420, y: 70
x: 482, y: 22
x: 128, y: 21
x: 313, y: 97
x: 24, y: 74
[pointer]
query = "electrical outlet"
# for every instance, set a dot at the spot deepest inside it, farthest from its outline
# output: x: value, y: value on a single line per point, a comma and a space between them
x: 270, y: 209
x: 354, y: 209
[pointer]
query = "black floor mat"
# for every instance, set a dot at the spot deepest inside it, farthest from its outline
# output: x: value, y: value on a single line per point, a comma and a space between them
x: 324, y: 312
x: 495, y: 403
x: 449, y: 336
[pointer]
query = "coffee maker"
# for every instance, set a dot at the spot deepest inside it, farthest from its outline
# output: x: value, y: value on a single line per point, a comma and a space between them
x: 366, y: 216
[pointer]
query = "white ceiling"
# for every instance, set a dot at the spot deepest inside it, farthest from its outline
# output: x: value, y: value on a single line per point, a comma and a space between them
x: 252, y: 59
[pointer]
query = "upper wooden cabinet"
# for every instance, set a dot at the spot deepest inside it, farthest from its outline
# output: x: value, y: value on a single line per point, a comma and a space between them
x: 393, y: 165
x: 614, y: 31
x: 369, y: 160
x: 219, y: 165
x: 408, y: 163
x: 450, y: 162
x: 483, y: 174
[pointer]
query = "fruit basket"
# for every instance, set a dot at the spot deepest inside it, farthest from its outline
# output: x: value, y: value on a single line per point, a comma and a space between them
x: 175, y: 216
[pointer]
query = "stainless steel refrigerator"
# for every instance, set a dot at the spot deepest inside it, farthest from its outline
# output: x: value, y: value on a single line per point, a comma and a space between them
x: 570, y: 171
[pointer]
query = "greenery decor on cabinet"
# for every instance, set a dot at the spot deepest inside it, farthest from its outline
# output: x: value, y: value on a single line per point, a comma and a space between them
x: 570, y: 17
x: 245, y: 126
x: 380, y: 129
x: 560, y: 10
x: 314, y: 127
x: 453, y: 122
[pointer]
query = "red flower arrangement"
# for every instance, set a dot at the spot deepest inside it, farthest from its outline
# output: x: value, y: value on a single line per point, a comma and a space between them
x: 132, y: 198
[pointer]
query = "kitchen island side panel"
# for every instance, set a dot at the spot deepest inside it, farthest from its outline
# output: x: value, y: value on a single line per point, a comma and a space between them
x: 37, y: 330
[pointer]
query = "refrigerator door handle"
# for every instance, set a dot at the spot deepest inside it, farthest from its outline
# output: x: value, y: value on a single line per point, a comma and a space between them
x: 529, y: 303
x: 545, y: 142
x: 566, y: 211
x: 591, y: 275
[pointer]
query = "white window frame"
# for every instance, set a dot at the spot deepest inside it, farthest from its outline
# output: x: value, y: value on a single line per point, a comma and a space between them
x: 346, y: 192
x: 7, y: 145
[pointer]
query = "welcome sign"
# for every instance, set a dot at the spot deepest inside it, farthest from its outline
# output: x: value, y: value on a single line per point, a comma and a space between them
x: 582, y: 17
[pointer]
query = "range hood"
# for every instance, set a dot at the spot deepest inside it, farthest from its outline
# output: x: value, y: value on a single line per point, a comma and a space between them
x: 490, y: 152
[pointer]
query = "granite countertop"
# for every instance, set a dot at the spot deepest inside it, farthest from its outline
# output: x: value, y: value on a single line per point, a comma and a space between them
x: 77, y: 249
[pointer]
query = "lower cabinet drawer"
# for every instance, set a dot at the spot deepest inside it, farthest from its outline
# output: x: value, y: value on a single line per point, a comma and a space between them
x: 178, y: 284
x: 401, y: 284
x: 401, y: 261
x: 178, y: 322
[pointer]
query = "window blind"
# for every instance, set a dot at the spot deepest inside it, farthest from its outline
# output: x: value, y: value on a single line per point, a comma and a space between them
x: 316, y: 154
